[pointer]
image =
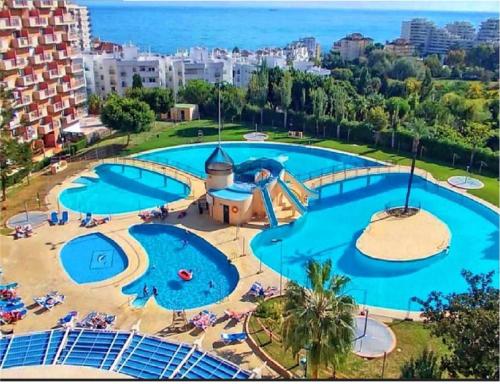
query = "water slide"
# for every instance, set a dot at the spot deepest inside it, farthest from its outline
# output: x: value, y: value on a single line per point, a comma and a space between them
x: 268, y: 204
x: 300, y: 186
x: 292, y: 197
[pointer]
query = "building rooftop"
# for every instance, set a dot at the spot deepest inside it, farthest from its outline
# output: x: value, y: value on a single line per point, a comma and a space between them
x: 219, y: 163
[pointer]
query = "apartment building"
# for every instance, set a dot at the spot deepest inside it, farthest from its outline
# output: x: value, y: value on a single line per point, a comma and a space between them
x: 352, y: 46
x: 462, y: 29
x: 489, y: 32
x: 82, y: 25
x: 114, y: 72
x: 43, y: 69
x: 400, y: 47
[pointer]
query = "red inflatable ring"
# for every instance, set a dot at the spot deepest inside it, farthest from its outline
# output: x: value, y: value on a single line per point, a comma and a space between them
x: 185, y: 275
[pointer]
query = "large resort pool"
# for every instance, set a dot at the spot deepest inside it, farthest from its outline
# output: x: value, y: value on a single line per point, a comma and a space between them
x: 302, y: 161
x: 337, y: 218
x: 329, y: 229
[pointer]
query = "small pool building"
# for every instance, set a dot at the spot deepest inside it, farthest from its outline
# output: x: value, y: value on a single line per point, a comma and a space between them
x: 253, y: 190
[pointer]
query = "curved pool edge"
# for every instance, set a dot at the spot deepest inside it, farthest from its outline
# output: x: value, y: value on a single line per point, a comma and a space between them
x: 72, y: 183
x: 390, y: 313
x: 338, y: 151
x: 101, y: 283
x: 131, y: 297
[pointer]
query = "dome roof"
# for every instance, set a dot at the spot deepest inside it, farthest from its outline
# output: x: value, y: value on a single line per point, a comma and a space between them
x: 219, y: 163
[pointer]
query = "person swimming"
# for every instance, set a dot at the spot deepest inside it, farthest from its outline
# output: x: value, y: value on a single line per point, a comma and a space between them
x: 185, y: 243
x: 145, y: 290
x: 155, y: 291
x: 211, y: 284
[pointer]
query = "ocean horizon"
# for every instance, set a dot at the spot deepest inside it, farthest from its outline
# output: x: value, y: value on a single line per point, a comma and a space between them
x: 165, y: 27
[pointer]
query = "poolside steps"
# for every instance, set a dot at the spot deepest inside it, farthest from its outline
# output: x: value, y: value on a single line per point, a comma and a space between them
x: 127, y: 352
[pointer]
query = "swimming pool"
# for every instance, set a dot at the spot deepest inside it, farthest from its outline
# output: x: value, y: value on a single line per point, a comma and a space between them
x: 92, y: 258
x: 121, y: 189
x: 170, y: 249
x: 304, y: 162
x: 337, y: 218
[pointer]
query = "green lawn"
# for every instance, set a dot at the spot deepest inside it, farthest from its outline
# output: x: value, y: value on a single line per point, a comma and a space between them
x: 168, y: 134
x: 411, y: 338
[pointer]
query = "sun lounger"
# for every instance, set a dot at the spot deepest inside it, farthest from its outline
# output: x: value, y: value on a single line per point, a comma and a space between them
x: 257, y: 290
x: 8, y: 293
x: 96, y: 320
x: 86, y: 220
x: 3, y: 303
x: 12, y: 306
x: 68, y: 320
x: 53, y: 219
x: 64, y: 218
x: 204, y: 319
x: 228, y: 338
x: 13, y: 316
x: 50, y: 300
x: 238, y: 316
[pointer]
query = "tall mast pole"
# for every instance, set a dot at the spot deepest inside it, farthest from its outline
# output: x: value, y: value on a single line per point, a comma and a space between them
x: 219, y: 114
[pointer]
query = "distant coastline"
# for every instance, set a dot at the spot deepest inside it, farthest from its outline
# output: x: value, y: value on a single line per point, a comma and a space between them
x: 164, y: 27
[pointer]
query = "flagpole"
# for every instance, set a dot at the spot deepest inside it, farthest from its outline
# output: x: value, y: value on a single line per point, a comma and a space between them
x: 219, y: 114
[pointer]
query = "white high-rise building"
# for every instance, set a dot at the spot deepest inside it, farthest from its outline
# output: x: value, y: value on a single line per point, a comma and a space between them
x: 82, y: 25
x: 462, y: 29
x: 489, y: 32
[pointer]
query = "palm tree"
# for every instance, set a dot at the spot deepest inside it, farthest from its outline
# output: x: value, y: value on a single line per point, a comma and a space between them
x: 419, y: 130
x: 319, y: 318
x: 426, y: 366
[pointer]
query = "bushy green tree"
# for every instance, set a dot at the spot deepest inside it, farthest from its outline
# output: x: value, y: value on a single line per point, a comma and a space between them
x: 160, y: 100
x: 127, y: 115
x: 197, y: 92
x: 136, y: 81
x: 94, y: 103
x: 285, y: 94
x: 258, y: 90
x: 467, y: 322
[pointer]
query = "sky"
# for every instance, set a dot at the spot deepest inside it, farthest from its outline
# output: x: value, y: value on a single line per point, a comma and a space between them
x: 452, y: 5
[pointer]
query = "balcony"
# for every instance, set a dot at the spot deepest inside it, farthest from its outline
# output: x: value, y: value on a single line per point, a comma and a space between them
x: 44, y: 94
x: 62, y: 54
x: 64, y: 19
x: 54, y: 73
x: 41, y: 58
x: 69, y: 119
x: 58, y: 106
x: 44, y: 129
x: 15, y: 63
x: 37, y: 114
x: 4, y: 44
x: 74, y: 68
x: 22, y: 99
x: 36, y: 22
x: 9, y: 23
x: 30, y: 134
x: 78, y: 98
x: 46, y: 3
x: 77, y: 83
x: 27, y: 80
x: 22, y: 42
x: 70, y: 36
x: 64, y: 87
x: 18, y: 4
x: 50, y: 39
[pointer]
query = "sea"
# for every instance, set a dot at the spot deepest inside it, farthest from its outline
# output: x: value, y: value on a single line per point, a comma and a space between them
x: 165, y: 27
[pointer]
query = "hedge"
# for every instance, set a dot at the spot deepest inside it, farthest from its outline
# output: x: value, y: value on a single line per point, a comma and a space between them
x: 77, y: 146
x: 361, y: 133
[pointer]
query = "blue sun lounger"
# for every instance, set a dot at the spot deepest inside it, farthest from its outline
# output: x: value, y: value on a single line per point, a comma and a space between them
x: 87, y: 219
x: 53, y: 220
x: 3, y: 303
x: 12, y: 306
x: 228, y: 338
x: 64, y: 218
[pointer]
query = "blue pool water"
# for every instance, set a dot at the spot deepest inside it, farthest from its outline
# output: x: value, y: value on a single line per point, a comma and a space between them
x: 303, y: 162
x: 120, y: 189
x: 92, y: 258
x: 170, y: 249
x: 337, y: 218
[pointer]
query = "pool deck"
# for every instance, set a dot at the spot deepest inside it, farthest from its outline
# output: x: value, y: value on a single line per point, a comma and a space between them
x: 410, y: 238
x: 34, y: 263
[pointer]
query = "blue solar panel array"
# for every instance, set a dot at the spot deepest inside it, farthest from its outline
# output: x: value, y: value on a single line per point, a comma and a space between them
x: 135, y: 355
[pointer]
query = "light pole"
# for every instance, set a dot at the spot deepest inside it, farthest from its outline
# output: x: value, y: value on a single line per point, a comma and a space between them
x: 275, y: 241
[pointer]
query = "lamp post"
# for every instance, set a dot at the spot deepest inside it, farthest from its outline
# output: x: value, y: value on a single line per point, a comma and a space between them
x: 275, y: 241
